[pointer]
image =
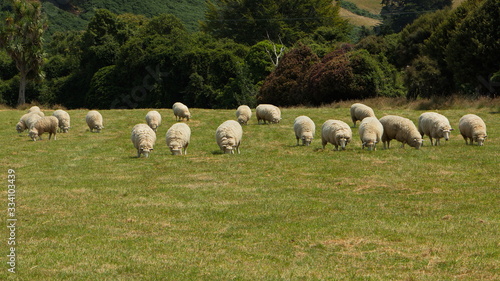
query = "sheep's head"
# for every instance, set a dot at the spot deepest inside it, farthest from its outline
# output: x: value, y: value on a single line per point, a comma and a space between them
x: 416, y: 142
x: 445, y: 132
x: 480, y: 138
x: 228, y: 145
x: 370, y: 144
x: 33, y: 133
x: 65, y: 129
x: 175, y: 148
x: 98, y: 128
x: 145, y: 150
x: 276, y: 120
x: 20, y: 127
x: 307, y: 139
x: 343, y: 141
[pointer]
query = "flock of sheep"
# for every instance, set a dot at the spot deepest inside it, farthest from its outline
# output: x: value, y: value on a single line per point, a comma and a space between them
x: 229, y: 134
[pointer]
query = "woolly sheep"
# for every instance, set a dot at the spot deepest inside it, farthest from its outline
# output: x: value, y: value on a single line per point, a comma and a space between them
x: 337, y: 133
x: 64, y: 120
x: 370, y: 132
x: 435, y: 126
x: 228, y: 136
x: 144, y: 139
x: 268, y: 112
x: 304, y: 129
x: 34, y: 109
x: 94, y: 121
x: 47, y: 124
x: 178, y: 138
x: 472, y: 127
x: 153, y: 118
x: 360, y: 111
x: 401, y: 129
x: 181, y: 111
x: 243, y: 114
x: 28, y: 120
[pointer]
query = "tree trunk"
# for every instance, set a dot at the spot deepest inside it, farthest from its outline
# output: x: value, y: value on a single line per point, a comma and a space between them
x: 22, y: 89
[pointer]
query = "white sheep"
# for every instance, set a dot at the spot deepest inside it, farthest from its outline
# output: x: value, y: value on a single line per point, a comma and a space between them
x: 337, y: 133
x: 243, y: 114
x: 401, y: 129
x: 47, y: 124
x: 228, y: 136
x: 28, y: 120
x: 370, y: 132
x: 34, y: 109
x: 178, y: 138
x: 360, y: 111
x: 181, y: 111
x: 64, y: 120
x: 153, y: 118
x: 304, y: 129
x: 472, y: 127
x: 94, y: 121
x: 435, y: 126
x: 144, y: 139
x: 268, y: 112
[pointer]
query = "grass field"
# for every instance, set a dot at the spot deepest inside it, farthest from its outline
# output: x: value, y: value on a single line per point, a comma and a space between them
x: 88, y: 209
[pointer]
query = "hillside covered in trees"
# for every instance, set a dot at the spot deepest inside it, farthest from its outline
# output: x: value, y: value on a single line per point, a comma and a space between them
x: 220, y: 54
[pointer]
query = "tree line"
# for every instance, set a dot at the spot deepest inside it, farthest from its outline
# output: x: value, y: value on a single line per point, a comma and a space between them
x: 244, y: 53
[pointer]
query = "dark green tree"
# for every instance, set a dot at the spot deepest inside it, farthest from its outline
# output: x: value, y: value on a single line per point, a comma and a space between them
x: 473, y: 53
x: 397, y: 14
x: 21, y: 37
x: 251, y: 21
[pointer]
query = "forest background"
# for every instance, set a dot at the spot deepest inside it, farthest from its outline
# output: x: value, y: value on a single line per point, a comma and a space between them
x: 220, y: 54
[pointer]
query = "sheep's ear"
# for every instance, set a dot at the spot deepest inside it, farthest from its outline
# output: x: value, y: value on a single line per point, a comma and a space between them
x: 451, y: 129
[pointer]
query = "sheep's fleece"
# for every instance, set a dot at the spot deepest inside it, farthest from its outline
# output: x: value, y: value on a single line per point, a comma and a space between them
x: 360, y: 111
x: 337, y: 133
x: 401, y: 129
x: 228, y: 136
x: 178, y: 138
x: 472, y: 127
x: 304, y: 129
x: 143, y: 138
x: 268, y: 112
x: 94, y: 121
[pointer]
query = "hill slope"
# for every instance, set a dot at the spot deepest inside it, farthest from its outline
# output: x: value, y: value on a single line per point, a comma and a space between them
x: 70, y: 15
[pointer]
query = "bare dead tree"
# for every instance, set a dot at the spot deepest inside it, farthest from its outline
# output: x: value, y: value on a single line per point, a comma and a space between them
x: 275, y: 55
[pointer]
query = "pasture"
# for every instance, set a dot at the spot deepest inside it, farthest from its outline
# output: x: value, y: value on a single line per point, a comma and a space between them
x: 88, y: 209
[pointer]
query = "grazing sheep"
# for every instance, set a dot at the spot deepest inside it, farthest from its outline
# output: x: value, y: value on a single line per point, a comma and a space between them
x: 360, y: 111
x: 178, y: 138
x: 47, y: 124
x: 304, y: 129
x: 435, y: 126
x: 337, y: 133
x: 228, y: 136
x: 370, y: 132
x: 181, y: 111
x: 144, y: 139
x: 94, y: 121
x: 243, y: 113
x: 64, y: 120
x: 401, y: 129
x: 268, y: 112
x: 153, y: 118
x: 472, y: 127
x: 34, y: 109
x: 28, y: 120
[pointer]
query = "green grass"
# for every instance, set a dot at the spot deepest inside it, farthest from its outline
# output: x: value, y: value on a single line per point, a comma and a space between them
x: 88, y: 209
